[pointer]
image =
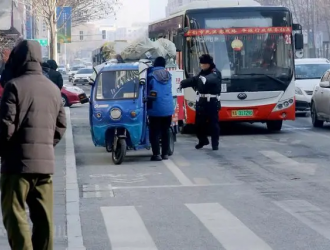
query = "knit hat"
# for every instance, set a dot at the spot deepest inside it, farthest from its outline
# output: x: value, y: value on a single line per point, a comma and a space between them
x: 206, y: 59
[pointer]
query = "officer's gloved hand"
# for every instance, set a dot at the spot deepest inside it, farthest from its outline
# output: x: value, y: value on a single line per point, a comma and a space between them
x: 203, y: 79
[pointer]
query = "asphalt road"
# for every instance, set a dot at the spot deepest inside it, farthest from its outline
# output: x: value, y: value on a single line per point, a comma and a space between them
x: 260, y: 191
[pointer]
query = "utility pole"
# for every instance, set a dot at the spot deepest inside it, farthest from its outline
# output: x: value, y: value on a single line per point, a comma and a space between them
x: 313, y: 2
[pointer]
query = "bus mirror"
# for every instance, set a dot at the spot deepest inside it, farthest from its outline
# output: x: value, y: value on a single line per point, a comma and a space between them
x: 296, y: 26
x: 178, y: 41
x: 299, y: 41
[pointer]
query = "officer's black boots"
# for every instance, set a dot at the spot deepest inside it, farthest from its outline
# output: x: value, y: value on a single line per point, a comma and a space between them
x: 201, y: 144
x: 165, y: 157
x: 156, y: 158
x: 215, y: 143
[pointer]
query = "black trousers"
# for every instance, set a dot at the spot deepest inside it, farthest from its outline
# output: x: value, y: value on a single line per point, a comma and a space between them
x: 159, y: 128
x: 207, y: 117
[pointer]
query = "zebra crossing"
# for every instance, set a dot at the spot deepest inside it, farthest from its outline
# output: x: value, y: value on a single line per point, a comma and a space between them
x: 126, y: 228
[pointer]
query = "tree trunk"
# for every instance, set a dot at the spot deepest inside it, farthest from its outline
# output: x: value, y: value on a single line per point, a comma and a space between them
x: 53, y: 39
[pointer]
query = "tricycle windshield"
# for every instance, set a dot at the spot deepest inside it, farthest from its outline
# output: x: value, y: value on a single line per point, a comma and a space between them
x: 114, y: 85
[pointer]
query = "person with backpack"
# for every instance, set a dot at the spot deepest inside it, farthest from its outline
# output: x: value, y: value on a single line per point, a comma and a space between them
x: 161, y: 109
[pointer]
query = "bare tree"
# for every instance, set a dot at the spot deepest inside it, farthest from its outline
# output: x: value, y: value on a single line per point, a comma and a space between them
x: 82, y: 11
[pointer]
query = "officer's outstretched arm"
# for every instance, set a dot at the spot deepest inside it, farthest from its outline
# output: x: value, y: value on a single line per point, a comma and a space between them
x: 187, y: 83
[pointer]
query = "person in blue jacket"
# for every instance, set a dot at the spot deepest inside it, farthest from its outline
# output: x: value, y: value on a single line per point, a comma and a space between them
x: 161, y: 109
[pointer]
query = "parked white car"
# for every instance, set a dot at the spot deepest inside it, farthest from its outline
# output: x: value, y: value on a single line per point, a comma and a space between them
x: 83, y: 76
x: 61, y: 69
x: 320, y: 111
x: 73, y: 71
x: 308, y: 72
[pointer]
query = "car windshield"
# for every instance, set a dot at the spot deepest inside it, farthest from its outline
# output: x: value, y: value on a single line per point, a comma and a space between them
x: 85, y: 71
x: 311, y: 71
x: 75, y: 68
x: 117, y: 85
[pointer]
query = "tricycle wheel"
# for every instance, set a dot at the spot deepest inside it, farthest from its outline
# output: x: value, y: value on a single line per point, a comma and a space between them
x: 171, y: 142
x: 108, y: 147
x: 119, y: 154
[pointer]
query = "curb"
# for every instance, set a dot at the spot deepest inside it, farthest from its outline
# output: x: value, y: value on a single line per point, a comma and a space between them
x: 72, y: 203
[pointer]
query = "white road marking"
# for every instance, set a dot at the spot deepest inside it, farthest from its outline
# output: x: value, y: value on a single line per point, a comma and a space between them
x: 181, y: 161
x: 126, y: 229
x: 97, y: 191
x: 296, y: 142
x: 308, y: 214
x: 112, y: 194
x: 289, y: 164
x: 227, y: 228
x: 89, y: 190
x: 202, y: 181
x: 182, y: 178
x: 279, y: 158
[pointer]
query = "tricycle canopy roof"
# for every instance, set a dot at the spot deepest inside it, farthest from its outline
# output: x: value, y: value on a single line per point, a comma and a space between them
x: 120, y: 66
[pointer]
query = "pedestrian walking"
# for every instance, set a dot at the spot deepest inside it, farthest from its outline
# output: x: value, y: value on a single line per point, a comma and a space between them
x: 54, y: 75
x: 207, y: 85
x: 32, y: 122
x: 161, y: 109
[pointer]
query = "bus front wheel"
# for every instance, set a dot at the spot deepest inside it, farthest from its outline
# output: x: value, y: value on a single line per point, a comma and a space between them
x: 274, y: 126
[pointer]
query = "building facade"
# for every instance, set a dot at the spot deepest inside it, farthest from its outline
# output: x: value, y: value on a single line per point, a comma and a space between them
x: 12, y: 27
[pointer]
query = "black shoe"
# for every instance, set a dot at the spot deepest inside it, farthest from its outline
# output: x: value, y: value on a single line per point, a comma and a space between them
x: 215, y: 148
x: 165, y: 157
x: 156, y: 158
x: 201, y: 145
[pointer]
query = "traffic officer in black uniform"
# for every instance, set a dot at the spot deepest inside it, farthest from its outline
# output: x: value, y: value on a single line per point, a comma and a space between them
x: 207, y: 85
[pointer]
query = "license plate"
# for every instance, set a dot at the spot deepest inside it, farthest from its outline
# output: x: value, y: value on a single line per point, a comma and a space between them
x: 241, y: 113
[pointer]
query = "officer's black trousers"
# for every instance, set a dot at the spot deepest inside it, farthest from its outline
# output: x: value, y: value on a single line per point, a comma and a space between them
x: 159, y: 129
x: 207, y: 117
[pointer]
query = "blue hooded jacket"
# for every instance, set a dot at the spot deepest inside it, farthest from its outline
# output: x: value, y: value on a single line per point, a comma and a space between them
x: 160, y: 81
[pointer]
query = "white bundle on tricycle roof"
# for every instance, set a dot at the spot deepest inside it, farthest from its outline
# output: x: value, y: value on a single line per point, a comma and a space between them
x: 144, y: 48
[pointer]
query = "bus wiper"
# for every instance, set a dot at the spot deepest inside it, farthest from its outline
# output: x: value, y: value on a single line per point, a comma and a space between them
x: 270, y: 77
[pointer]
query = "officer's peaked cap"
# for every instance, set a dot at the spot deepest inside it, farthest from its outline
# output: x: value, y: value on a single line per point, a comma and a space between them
x: 206, y: 59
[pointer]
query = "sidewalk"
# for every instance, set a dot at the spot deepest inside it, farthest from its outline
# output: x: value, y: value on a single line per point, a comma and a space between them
x: 65, y: 195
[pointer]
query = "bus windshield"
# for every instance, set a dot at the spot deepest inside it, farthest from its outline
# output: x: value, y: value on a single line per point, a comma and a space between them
x: 253, y: 50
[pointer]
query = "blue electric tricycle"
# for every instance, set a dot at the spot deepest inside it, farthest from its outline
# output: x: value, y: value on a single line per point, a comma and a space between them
x: 118, y: 108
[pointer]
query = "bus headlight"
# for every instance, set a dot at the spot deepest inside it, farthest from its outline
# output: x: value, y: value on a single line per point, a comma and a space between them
x: 298, y: 91
x: 284, y: 104
x: 115, y: 113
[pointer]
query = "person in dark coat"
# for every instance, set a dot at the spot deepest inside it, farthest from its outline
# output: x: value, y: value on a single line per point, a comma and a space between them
x: 161, y: 109
x: 54, y: 75
x: 207, y: 85
x: 32, y: 122
x: 45, y: 69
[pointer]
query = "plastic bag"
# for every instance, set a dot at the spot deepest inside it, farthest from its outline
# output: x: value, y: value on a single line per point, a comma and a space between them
x: 168, y: 46
x: 137, y: 49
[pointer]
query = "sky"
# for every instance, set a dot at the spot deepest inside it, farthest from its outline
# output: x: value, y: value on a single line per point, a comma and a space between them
x: 140, y: 11
x: 156, y: 9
